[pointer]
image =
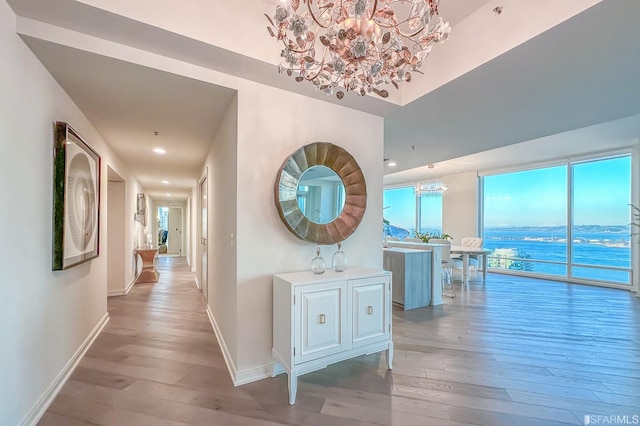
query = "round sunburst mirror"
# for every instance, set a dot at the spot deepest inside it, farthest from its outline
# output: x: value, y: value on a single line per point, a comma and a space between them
x: 320, y: 193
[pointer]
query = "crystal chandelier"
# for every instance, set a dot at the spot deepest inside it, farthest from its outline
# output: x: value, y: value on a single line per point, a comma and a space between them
x: 356, y: 45
x: 432, y: 187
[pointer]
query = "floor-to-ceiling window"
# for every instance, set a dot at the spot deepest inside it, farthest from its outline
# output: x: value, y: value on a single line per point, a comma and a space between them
x: 568, y: 220
x: 400, y: 211
x: 600, y: 242
x: 431, y: 215
x: 405, y: 213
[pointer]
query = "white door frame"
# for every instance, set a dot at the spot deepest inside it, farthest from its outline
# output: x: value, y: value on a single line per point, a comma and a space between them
x: 203, y: 233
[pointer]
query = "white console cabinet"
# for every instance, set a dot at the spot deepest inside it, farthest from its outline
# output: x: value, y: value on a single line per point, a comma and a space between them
x: 322, y: 319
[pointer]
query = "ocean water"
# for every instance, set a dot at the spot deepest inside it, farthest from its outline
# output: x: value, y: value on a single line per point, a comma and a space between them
x: 596, y: 246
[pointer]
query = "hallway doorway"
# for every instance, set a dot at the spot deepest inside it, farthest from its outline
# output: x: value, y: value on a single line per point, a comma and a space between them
x: 170, y: 230
x: 115, y: 234
x: 203, y: 237
x: 174, y: 242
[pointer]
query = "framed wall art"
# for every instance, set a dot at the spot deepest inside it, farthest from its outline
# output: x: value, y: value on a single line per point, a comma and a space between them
x: 141, y: 209
x: 76, y: 199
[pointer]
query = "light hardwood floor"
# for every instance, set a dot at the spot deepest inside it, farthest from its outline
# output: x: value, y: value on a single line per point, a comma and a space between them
x: 516, y: 351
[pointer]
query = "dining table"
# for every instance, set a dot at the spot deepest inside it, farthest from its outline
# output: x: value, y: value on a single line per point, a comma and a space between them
x: 466, y: 252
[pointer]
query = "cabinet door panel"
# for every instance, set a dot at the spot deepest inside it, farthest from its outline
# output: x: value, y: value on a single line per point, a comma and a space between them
x: 370, y: 313
x: 322, y: 316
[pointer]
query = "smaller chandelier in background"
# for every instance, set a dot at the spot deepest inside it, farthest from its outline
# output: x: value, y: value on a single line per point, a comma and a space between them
x: 431, y: 188
x: 356, y: 45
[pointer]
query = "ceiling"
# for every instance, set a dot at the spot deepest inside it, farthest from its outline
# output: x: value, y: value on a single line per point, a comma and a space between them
x: 136, y: 109
x: 580, y: 73
x: 577, y: 74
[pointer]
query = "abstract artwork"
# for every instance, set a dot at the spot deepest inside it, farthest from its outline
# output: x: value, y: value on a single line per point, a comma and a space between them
x: 76, y: 199
x: 141, y: 209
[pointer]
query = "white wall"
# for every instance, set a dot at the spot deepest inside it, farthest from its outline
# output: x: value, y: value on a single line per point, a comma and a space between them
x: 221, y: 170
x: 460, y: 206
x: 263, y: 126
x: 272, y: 124
x: 45, y: 317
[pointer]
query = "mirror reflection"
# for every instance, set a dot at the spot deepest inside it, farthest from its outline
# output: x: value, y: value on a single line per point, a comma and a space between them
x: 320, y: 194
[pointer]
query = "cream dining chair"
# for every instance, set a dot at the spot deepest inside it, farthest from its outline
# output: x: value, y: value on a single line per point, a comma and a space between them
x: 473, y: 242
x: 448, y: 289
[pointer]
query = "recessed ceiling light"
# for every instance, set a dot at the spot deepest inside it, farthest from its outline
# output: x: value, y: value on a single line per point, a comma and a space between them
x: 392, y: 163
x: 165, y: 182
x: 168, y: 195
x: 159, y: 151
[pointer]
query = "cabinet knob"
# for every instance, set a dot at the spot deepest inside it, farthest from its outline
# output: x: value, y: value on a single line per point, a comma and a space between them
x: 321, y: 318
x: 369, y: 310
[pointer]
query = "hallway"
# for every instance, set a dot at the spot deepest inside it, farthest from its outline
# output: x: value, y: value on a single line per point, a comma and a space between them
x: 157, y: 362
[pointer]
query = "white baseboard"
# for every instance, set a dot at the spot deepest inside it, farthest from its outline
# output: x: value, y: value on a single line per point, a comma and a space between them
x: 253, y: 374
x: 122, y: 292
x: 130, y: 286
x: 238, y: 377
x: 36, y: 413
x: 198, y: 285
x: 223, y: 346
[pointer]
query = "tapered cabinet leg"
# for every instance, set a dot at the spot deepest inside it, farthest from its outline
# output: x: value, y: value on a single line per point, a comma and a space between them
x: 389, y: 356
x: 293, y: 387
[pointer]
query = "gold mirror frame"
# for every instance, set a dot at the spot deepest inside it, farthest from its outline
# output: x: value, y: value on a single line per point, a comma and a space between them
x: 286, y: 188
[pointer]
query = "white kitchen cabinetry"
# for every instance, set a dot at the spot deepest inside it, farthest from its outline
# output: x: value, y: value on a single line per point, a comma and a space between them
x: 322, y: 319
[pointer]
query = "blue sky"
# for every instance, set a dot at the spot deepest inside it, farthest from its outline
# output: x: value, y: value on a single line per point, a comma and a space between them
x: 539, y: 197
x: 535, y: 197
x: 401, y: 209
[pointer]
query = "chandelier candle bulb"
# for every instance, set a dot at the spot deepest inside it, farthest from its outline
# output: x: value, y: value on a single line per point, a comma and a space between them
x: 356, y: 45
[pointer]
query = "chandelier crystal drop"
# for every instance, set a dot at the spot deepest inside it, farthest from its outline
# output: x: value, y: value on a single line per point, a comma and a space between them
x: 431, y: 188
x: 356, y: 45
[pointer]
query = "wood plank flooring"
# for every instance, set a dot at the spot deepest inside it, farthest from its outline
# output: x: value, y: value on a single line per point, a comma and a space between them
x: 516, y: 351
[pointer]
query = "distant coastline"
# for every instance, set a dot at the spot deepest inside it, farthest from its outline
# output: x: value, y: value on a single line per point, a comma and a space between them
x: 604, y: 235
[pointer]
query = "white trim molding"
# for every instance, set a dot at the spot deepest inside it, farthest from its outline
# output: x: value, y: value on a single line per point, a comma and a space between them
x: 223, y: 346
x: 130, y: 286
x: 124, y: 292
x: 41, y: 406
x: 238, y: 377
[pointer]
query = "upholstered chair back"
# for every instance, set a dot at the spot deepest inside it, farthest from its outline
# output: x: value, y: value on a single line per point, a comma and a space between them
x: 474, y: 242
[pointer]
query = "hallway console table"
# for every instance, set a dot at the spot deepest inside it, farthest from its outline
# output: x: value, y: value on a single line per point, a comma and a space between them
x: 148, y: 274
x: 322, y: 319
